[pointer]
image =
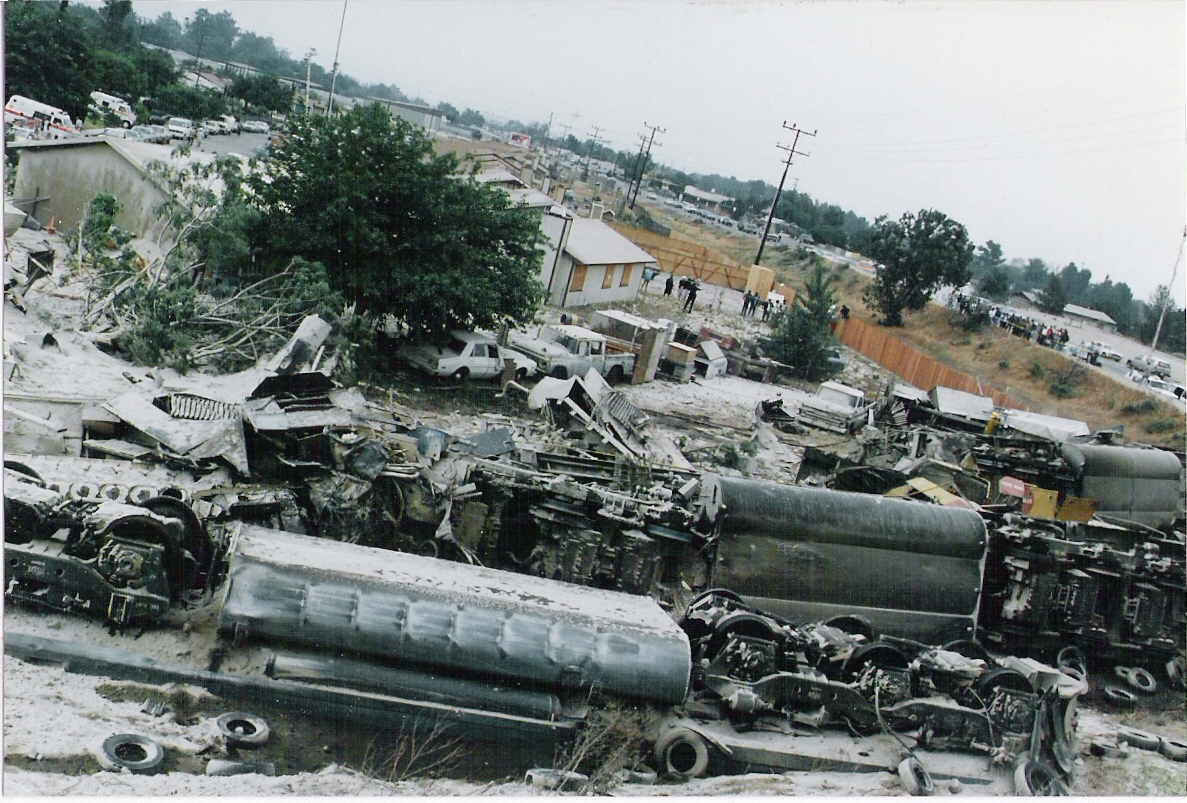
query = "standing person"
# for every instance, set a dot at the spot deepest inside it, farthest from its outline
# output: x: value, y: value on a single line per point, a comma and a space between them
x: 692, y: 297
x: 844, y: 312
x: 746, y: 304
x: 668, y: 284
x: 766, y: 309
x: 648, y: 275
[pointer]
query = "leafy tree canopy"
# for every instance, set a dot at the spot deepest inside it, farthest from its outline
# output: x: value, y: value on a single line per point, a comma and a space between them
x: 48, y: 55
x: 994, y: 283
x: 397, y: 229
x: 1054, y: 297
x: 916, y: 254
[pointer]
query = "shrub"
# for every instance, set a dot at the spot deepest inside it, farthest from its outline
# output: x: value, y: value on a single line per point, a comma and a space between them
x: 1037, y: 370
x: 1139, y: 408
x: 1161, y: 425
x: 1066, y: 382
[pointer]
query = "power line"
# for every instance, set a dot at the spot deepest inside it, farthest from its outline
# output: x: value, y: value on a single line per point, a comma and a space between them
x: 642, y: 166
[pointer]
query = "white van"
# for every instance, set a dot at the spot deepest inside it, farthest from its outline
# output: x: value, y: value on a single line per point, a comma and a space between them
x: 54, y: 122
x: 101, y: 102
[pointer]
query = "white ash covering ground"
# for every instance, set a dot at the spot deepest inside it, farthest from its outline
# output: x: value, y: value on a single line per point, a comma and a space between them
x: 53, y: 719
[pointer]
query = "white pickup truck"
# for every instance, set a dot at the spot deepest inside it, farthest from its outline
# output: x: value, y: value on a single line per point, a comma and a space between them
x: 566, y: 350
x: 466, y: 355
x: 835, y: 407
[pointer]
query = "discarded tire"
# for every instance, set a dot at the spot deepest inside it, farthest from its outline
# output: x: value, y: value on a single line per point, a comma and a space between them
x: 1174, y: 749
x: 129, y: 751
x: 1142, y: 680
x: 1107, y: 748
x: 916, y: 780
x: 243, y: 730
x: 1121, y: 672
x: 682, y: 753
x: 1143, y: 740
x: 1176, y: 672
x: 1036, y: 779
x: 1120, y: 696
x: 114, y: 493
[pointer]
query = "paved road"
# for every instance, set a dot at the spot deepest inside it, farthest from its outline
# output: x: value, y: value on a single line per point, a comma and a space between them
x: 233, y: 143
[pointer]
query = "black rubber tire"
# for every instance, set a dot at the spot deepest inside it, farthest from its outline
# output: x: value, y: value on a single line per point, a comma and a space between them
x: 137, y: 754
x: 559, y: 372
x: 521, y: 374
x: 1107, y: 748
x: 1176, y: 672
x: 239, y: 729
x: 1141, y: 680
x: 1072, y: 656
x: 915, y: 779
x: 682, y: 753
x: 1036, y: 779
x: 1119, y: 695
x: 1174, y: 749
x: 1121, y: 672
x: 1143, y: 740
x: 615, y: 375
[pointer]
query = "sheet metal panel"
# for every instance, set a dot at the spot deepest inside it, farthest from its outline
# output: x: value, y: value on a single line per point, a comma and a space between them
x: 912, y: 567
x: 396, y: 607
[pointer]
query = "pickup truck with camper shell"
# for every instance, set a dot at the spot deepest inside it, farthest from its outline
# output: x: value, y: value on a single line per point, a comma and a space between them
x: 835, y: 407
x: 565, y: 350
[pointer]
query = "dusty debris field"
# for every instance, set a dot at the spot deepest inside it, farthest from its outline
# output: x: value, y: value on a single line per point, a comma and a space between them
x: 55, y: 721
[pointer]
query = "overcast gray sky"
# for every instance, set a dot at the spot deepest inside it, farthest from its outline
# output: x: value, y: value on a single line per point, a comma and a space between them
x: 1054, y: 128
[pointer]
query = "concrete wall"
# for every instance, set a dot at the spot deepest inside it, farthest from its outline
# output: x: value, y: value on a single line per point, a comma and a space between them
x: 69, y: 177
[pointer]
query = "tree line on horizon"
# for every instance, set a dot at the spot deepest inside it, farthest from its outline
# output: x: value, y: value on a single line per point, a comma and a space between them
x: 59, y: 53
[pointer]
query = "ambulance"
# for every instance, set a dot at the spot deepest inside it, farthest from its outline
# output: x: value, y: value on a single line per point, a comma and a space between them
x: 53, y: 122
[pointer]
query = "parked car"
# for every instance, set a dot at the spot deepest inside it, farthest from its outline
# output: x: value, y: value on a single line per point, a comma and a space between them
x: 255, y: 126
x: 466, y: 355
x: 1162, y: 387
x: 180, y: 127
x: 230, y: 124
x: 1105, y: 350
x: 1149, y: 364
x: 213, y: 127
x: 163, y: 134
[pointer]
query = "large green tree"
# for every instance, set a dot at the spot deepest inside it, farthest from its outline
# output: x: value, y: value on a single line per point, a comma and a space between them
x: 1054, y: 296
x: 48, y: 55
x: 916, y: 254
x: 398, y: 230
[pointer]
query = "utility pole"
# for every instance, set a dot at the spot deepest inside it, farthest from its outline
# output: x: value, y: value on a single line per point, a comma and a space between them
x: 643, y: 166
x: 589, y: 154
x: 337, y: 48
x: 790, y: 153
x: 1169, y: 288
x: 634, y: 170
x: 198, y: 57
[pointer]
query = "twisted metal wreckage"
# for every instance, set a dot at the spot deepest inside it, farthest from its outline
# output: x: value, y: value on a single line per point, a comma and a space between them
x: 845, y: 606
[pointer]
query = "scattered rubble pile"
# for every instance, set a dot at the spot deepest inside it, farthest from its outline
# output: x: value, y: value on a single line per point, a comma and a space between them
x: 379, y: 570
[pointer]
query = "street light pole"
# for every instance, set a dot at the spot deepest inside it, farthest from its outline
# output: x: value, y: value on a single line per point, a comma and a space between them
x: 337, y: 48
x: 308, y: 65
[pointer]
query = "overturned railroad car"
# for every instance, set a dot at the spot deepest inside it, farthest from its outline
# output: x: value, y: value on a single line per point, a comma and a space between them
x: 1138, y: 485
x: 402, y: 609
x: 809, y: 554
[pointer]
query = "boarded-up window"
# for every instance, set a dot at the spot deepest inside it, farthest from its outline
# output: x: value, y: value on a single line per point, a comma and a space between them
x: 608, y: 279
x: 578, y: 283
x: 626, y: 276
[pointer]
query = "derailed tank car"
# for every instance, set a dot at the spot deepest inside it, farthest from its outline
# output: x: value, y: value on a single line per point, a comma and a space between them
x: 808, y: 554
